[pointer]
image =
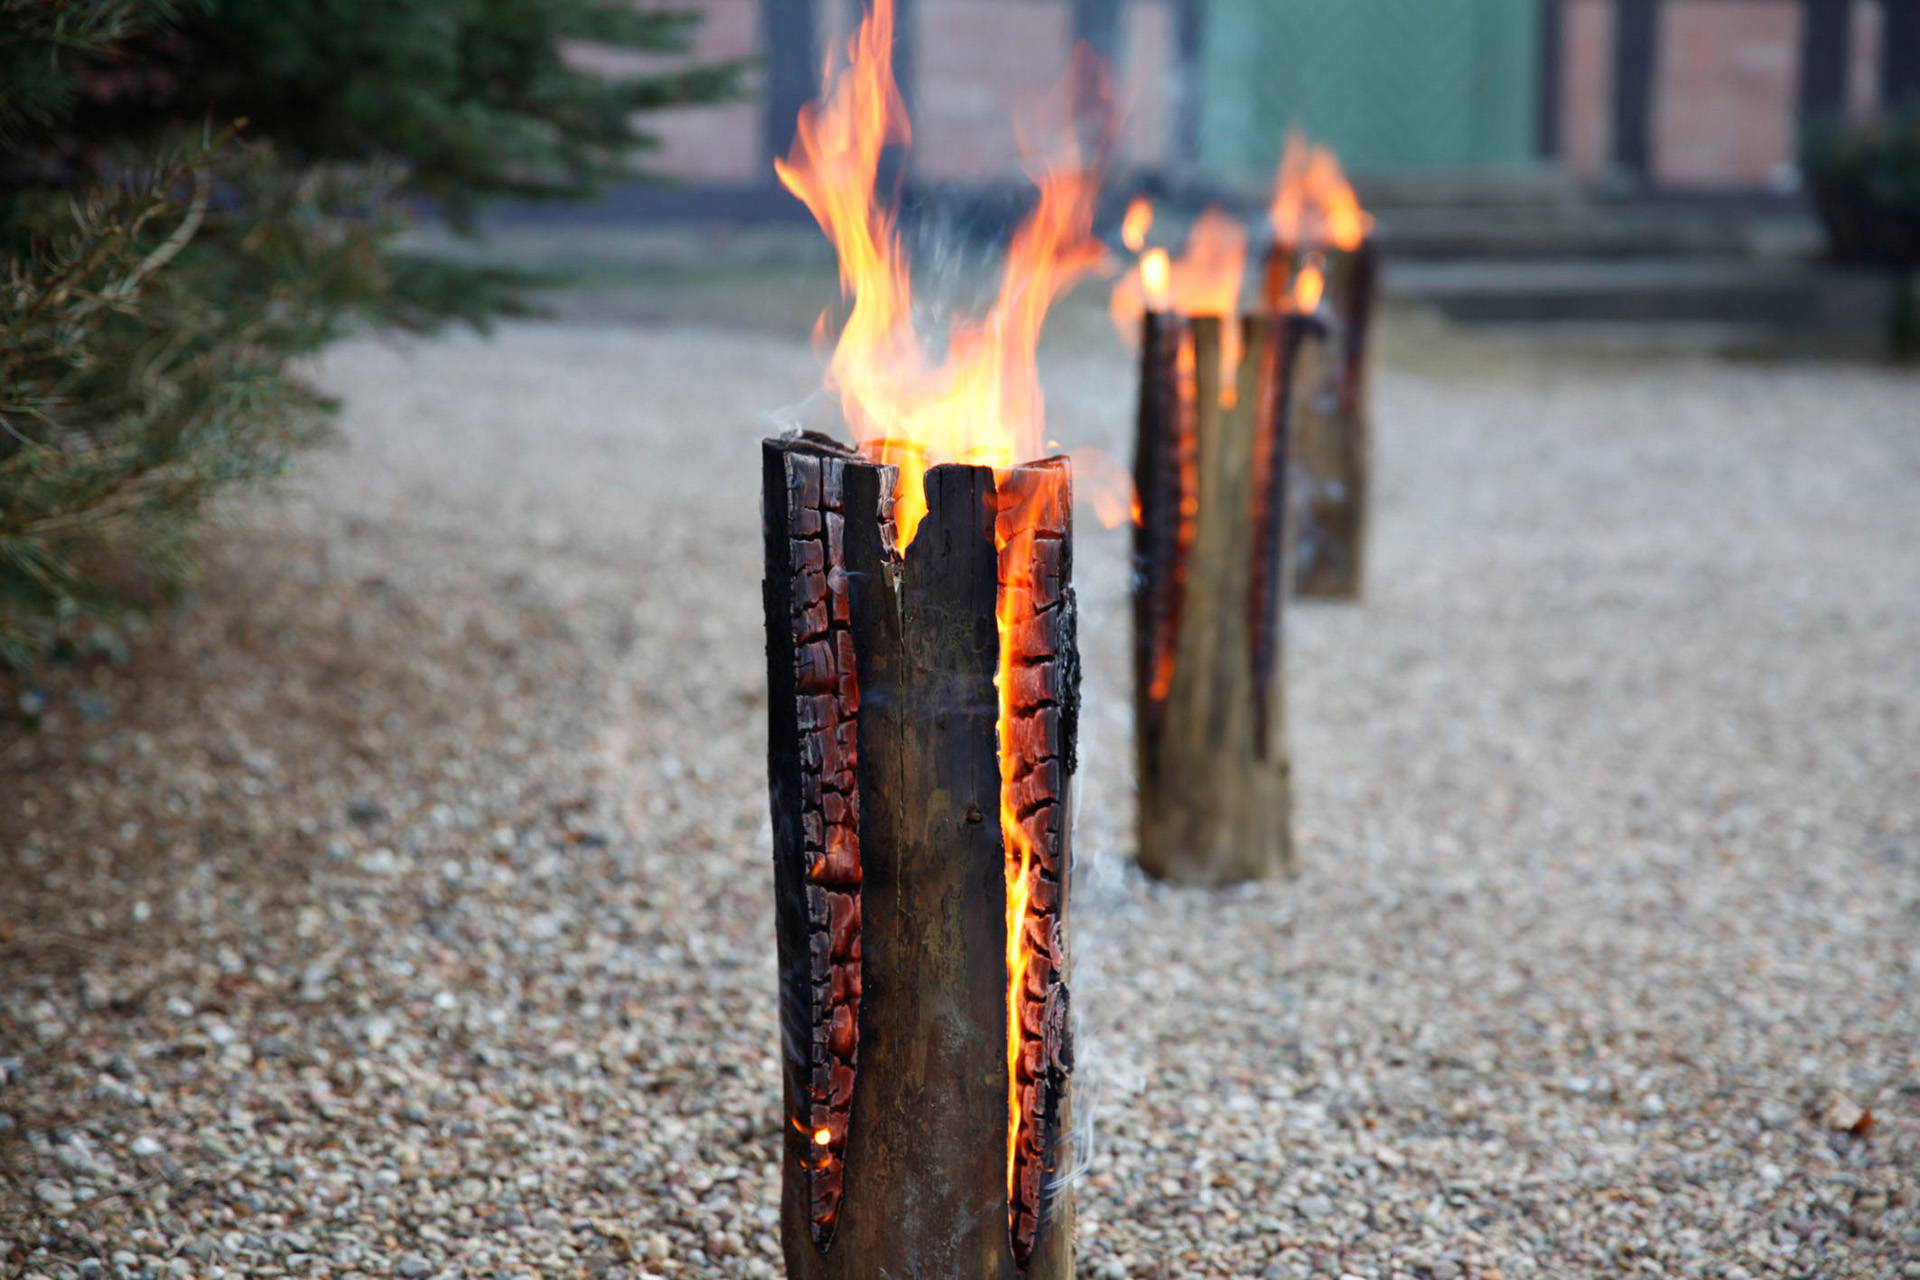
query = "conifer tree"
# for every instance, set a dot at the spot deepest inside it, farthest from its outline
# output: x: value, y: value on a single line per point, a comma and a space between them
x: 194, y: 191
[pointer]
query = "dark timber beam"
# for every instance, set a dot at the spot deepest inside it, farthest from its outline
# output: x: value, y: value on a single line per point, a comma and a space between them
x: 1546, y: 120
x: 1635, y: 58
x: 1826, y: 41
x: 1900, y: 54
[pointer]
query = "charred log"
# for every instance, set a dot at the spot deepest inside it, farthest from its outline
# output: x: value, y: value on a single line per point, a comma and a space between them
x: 1215, y: 787
x: 924, y: 1182
x: 1334, y: 439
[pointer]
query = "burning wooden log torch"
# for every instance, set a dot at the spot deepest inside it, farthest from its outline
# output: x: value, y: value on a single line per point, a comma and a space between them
x: 1211, y: 559
x: 1324, y: 245
x: 921, y: 726
x: 923, y: 699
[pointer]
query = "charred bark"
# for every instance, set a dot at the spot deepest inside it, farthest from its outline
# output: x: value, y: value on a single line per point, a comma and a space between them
x: 813, y: 757
x: 925, y: 1181
x: 1215, y: 772
x: 1333, y: 439
x: 1039, y: 710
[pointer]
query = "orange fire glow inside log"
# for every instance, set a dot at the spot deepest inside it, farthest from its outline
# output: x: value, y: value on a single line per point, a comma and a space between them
x: 1014, y: 551
x: 1313, y: 204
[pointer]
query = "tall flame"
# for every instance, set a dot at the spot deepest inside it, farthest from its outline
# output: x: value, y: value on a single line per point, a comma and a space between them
x: 1205, y: 281
x: 982, y: 403
x: 1313, y: 204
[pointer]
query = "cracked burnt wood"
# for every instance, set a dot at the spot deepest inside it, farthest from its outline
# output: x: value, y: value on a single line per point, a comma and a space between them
x: 924, y: 1185
x: 1333, y: 441
x: 1212, y: 558
x: 813, y: 706
x: 1040, y: 701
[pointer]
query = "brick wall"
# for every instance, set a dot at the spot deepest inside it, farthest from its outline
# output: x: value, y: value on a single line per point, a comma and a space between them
x: 976, y: 63
x: 1725, y: 91
x: 1586, y: 86
x: 1863, y: 86
x: 1726, y: 88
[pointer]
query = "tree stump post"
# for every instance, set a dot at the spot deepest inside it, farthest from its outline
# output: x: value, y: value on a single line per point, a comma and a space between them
x: 1333, y: 443
x: 1212, y: 565
x: 892, y: 868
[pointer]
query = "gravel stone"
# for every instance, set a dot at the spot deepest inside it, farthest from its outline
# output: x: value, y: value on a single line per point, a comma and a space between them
x: 446, y: 797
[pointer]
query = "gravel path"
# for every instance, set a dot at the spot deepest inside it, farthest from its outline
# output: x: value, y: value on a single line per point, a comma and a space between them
x: 402, y: 907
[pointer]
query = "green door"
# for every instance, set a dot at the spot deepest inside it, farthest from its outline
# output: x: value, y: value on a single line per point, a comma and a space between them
x: 1391, y: 84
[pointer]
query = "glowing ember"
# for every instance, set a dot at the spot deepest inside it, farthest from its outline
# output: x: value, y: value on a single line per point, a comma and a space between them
x: 1313, y: 205
x: 822, y: 1137
x: 981, y: 405
x: 1139, y: 220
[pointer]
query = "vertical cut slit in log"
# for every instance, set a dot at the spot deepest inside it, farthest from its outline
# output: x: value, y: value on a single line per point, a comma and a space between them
x: 1211, y: 563
x: 1333, y: 441
x: 929, y: 1180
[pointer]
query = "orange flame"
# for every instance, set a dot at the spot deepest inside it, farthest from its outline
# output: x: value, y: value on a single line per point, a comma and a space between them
x: 1156, y: 283
x: 982, y: 404
x: 1205, y: 281
x: 1308, y: 286
x: 1313, y: 204
x: 1139, y: 220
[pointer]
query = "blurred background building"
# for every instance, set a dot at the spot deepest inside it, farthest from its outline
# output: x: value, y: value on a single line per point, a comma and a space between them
x: 1615, y: 170
x: 1662, y: 97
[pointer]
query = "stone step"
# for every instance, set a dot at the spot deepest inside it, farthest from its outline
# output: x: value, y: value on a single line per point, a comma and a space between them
x: 1798, y: 308
x: 1596, y: 231
x: 1543, y: 188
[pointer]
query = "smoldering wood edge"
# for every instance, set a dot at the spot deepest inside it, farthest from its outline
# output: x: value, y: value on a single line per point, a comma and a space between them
x: 1049, y: 482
